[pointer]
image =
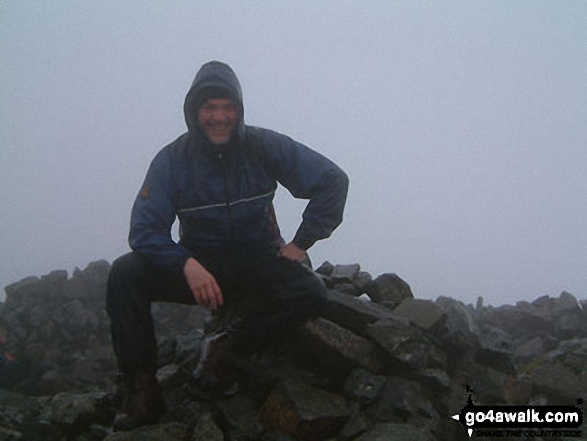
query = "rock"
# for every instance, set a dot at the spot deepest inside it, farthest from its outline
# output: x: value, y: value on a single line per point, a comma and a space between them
x: 496, y: 349
x: 349, y: 312
x: 166, y: 351
x: 304, y: 412
x: 406, y: 346
x: 355, y: 426
x: 76, y: 409
x: 402, y: 400
x: 562, y: 373
x: 397, y: 432
x: 345, y: 273
x: 519, y: 323
x: 340, y: 348
x: 362, y: 280
x: 206, y: 429
x: 405, y: 365
x: 533, y: 348
x: 325, y: 269
x: 424, y: 314
x: 241, y: 418
x: 461, y: 331
x: 173, y: 431
x: 348, y: 289
x: 363, y: 386
x: 389, y: 287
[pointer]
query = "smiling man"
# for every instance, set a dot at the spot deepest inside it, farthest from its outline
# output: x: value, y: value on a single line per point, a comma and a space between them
x: 219, y: 179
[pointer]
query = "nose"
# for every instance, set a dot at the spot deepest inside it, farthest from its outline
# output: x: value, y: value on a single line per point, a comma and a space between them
x: 219, y: 114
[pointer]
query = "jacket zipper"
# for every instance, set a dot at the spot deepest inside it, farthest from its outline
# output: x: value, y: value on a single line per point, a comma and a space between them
x: 228, y: 208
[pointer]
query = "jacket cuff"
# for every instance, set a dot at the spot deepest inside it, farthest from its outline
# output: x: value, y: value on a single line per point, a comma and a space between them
x: 303, y: 242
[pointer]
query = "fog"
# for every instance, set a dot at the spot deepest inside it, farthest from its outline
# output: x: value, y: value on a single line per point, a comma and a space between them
x: 462, y: 127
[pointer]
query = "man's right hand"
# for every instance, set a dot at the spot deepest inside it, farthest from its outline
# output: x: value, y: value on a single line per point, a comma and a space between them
x: 203, y: 285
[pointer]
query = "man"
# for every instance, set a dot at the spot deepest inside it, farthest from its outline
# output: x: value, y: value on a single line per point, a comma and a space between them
x: 219, y: 179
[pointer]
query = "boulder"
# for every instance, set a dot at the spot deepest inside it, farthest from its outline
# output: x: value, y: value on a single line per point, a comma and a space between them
x: 389, y: 287
x: 424, y: 314
x: 351, y: 313
x: 341, y: 349
x: 407, y: 348
x: 304, y: 412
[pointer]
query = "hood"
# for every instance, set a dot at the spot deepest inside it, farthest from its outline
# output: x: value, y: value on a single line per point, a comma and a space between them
x: 213, y: 74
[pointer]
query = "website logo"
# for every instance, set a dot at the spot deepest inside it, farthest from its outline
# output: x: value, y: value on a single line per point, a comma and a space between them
x: 527, y: 421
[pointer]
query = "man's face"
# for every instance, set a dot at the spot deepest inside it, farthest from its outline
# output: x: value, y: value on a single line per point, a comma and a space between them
x: 218, y: 118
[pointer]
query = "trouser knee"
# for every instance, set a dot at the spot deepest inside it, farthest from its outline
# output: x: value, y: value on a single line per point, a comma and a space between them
x: 126, y: 275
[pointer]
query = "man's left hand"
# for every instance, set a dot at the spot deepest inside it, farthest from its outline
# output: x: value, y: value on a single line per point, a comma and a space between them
x: 293, y: 252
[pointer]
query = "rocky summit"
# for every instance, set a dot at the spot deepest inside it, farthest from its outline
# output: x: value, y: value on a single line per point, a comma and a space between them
x: 379, y: 364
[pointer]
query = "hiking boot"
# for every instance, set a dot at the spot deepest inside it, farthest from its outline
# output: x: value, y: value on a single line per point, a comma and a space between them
x: 142, y: 403
x: 215, y: 367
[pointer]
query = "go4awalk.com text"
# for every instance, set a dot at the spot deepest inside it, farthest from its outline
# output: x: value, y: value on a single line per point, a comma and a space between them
x: 521, y: 421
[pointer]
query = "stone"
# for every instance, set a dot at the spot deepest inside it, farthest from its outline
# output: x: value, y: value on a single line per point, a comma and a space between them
x: 166, y: 351
x: 529, y: 349
x: 424, y: 314
x: 351, y: 313
x: 339, y: 347
x: 562, y: 373
x: 325, y: 269
x: 397, y: 432
x: 389, y: 287
x: 348, y: 289
x: 76, y: 409
x: 519, y: 323
x: 355, y: 426
x: 363, y: 386
x: 401, y: 400
x: 362, y: 280
x: 206, y: 429
x: 241, y: 418
x: 174, y: 431
x: 496, y: 349
x: 304, y: 412
x: 345, y: 273
x: 406, y: 346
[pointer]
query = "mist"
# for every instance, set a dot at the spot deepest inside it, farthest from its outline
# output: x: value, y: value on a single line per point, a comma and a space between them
x: 462, y: 127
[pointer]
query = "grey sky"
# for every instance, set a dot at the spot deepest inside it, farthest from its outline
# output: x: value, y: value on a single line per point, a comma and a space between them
x: 462, y: 126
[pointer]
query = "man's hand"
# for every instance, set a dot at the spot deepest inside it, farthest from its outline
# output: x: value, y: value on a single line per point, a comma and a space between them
x: 203, y: 285
x: 293, y: 252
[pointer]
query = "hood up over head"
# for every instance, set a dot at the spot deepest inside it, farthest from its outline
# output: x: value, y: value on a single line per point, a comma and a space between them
x: 214, y: 80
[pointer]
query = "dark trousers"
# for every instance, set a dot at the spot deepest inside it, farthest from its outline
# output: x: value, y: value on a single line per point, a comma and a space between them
x: 270, y: 295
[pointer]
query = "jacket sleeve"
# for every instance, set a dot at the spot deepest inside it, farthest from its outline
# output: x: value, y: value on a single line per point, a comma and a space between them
x: 308, y: 175
x: 153, y: 214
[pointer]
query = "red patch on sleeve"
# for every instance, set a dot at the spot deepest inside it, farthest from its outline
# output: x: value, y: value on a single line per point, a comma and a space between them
x: 145, y: 192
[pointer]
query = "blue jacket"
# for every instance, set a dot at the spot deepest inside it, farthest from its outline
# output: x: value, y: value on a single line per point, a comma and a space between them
x: 223, y: 197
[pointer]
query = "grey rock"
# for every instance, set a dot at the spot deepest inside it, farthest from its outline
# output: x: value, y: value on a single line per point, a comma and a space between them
x: 362, y: 281
x: 345, y: 273
x: 406, y: 346
x: 351, y: 313
x: 496, y: 349
x: 389, y: 287
x: 174, y: 431
x: 340, y: 348
x: 363, y: 386
x: 206, y: 429
x: 241, y: 418
x: 424, y: 314
x: 348, y: 289
x: 304, y: 412
x: 75, y: 409
x: 325, y: 269
x: 166, y: 351
x: 402, y: 400
x: 397, y: 432
x: 355, y: 426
